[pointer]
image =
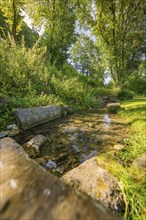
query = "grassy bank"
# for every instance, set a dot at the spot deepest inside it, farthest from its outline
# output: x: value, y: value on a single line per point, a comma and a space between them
x: 131, y: 177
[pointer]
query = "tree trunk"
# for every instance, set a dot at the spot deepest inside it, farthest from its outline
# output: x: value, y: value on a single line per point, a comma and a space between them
x: 14, y: 25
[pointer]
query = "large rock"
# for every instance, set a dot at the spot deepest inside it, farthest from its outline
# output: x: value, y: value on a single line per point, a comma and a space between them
x: 30, y: 192
x: 113, y: 107
x: 98, y: 183
x: 31, y: 117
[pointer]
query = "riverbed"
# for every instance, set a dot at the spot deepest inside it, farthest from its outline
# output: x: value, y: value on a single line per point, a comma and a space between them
x: 75, y: 138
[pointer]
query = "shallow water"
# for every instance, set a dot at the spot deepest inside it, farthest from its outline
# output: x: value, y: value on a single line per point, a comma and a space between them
x: 76, y: 138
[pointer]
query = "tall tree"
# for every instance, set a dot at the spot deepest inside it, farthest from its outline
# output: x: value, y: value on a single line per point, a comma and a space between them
x: 86, y: 57
x: 117, y: 25
x: 58, y: 21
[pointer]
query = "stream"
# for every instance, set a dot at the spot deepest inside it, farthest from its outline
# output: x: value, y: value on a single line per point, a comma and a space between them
x: 75, y: 138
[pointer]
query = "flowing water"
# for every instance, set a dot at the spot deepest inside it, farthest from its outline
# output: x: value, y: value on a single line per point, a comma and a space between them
x: 76, y: 138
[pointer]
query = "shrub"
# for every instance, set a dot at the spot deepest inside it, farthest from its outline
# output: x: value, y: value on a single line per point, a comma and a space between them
x: 22, y: 69
x: 125, y: 94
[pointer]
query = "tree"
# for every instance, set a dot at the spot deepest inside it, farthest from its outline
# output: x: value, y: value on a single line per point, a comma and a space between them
x: 86, y: 57
x: 10, y: 10
x: 58, y: 20
x: 117, y: 25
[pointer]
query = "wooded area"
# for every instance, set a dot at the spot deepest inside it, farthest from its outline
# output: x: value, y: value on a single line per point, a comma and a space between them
x: 62, y: 52
x: 77, y: 56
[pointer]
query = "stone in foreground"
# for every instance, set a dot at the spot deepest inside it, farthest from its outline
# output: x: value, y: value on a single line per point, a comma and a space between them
x: 30, y: 192
x: 30, y: 117
x: 98, y: 183
x: 33, y: 146
x: 113, y: 107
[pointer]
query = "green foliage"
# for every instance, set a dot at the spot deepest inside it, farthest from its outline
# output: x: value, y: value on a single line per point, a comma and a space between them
x: 106, y: 92
x: 72, y: 90
x: 26, y: 81
x: 30, y: 36
x: 125, y: 94
x: 137, y: 81
x: 21, y: 69
x: 86, y: 58
x: 58, y: 20
x: 11, y: 13
x: 117, y: 26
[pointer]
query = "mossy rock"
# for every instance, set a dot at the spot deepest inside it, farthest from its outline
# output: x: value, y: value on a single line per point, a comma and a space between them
x: 113, y: 108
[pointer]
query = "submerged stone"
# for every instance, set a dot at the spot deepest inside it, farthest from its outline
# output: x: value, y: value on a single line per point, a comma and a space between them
x: 50, y: 164
x: 33, y: 146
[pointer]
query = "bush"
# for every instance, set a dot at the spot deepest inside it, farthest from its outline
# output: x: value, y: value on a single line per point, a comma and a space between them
x: 125, y: 94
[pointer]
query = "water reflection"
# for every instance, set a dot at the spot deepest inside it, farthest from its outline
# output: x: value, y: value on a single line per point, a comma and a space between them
x: 107, y: 121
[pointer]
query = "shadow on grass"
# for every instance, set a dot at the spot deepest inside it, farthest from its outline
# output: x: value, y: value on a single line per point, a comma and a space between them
x: 134, y: 100
x: 137, y: 109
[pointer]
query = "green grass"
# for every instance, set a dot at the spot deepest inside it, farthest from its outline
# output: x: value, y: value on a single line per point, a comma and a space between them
x: 132, y: 178
x: 135, y: 115
x: 132, y: 181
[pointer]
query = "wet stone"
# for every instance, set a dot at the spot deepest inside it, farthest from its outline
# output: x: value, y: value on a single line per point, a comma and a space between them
x: 33, y: 146
x: 4, y: 134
